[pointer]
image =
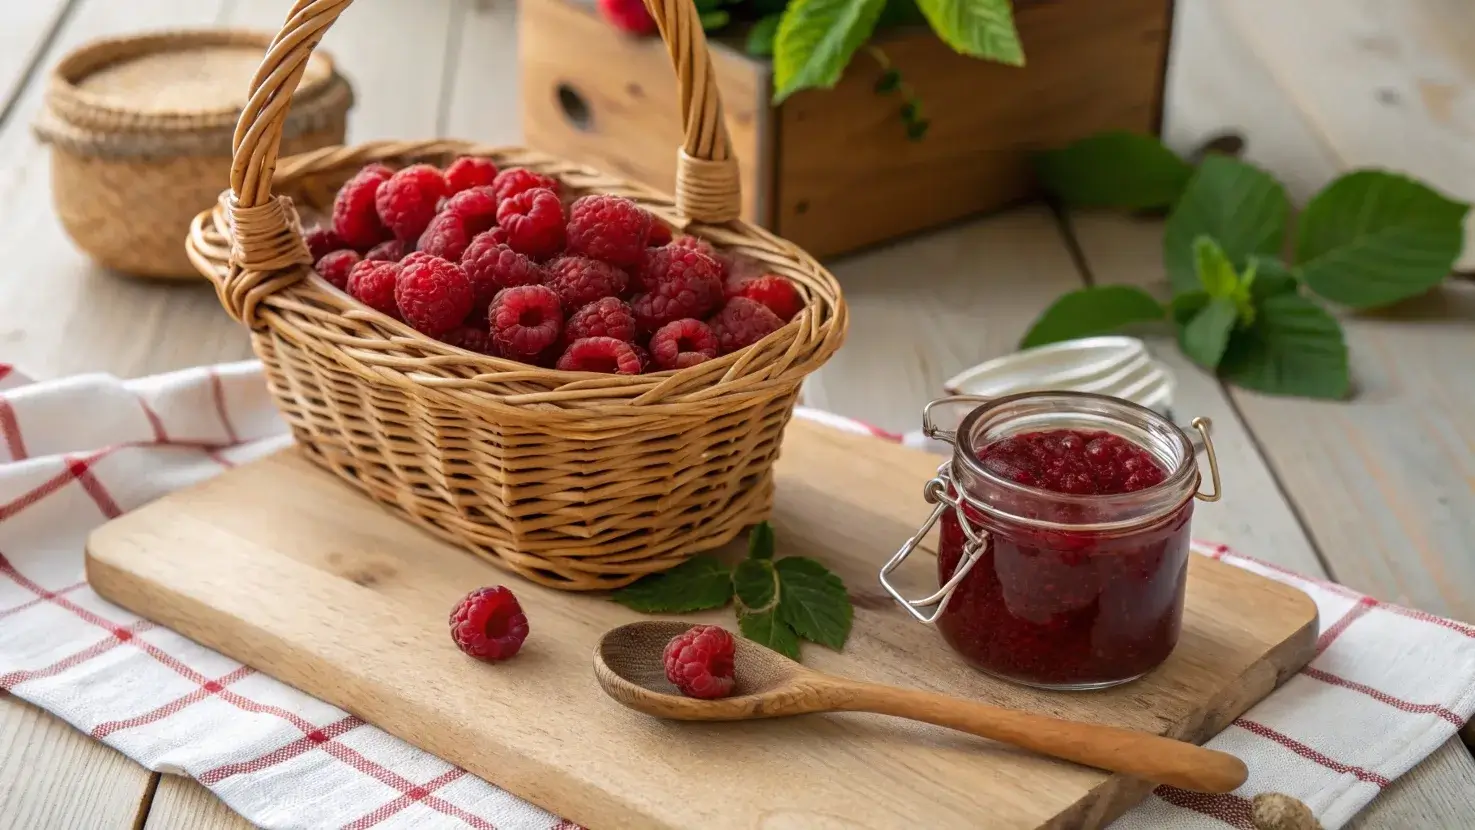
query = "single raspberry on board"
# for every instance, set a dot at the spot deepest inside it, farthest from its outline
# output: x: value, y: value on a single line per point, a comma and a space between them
x: 741, y: 323
x: 445, y: 237
x: 406, y: 202
x: 628, y: 16
x: 392, y: 250
x: 682, y: 343
x: 601, y: 354
x: 612, y: 229
x: 489, y: 624
x: 473, y: 338
x: 699, y: 662
x: 678, y: 283
x: 525, y: 321
x: 605, y: 317
x: 660, y: 233
x: 355, y: 219
x: 534, y: 222
x: 321, y: 241
x: 580, y: 281
x: 470, y: 171
x: 492, y: 266
x: 515, y: 180
x: 477, y: 208
x: 772, y: 290
x: 336, y: 265
x: 433, y: 294
x: 371, y: 282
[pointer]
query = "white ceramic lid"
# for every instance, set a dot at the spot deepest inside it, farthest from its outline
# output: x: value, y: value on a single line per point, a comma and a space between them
x: 1108, y: 365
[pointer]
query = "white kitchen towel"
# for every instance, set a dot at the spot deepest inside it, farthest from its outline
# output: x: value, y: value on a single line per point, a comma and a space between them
x: 1388, y: 686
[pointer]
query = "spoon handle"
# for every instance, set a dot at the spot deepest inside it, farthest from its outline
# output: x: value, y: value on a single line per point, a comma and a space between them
x: 1139, y: 754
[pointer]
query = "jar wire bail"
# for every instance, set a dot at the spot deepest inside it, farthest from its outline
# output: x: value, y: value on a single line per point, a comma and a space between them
x: 1203, y: 426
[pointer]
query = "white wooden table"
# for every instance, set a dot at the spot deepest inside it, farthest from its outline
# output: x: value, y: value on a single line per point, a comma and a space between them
x: 1378, y: 493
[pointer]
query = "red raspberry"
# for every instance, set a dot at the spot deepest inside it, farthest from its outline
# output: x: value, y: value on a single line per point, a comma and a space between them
x: 628, y: 16
x: 741, y: 323
x: 601, y: 354
x: 471, y: 338
x: 644, y: 356
x: 321, y: 241
x: 533, y: 220
x: 699, y: 662
x: 696, y: 243
x: 445, y: 237
x: 469, y: 171
x: 477, y: 208
x: 371, y: 282
x: 772, y: 290
x: 515, y: 180
x: 525, y: 320
x: 406, y: 203
x: 492, y: 266
x: 378, y: 169
x: 660, y: 233
x: 605, y: 317
x: 489, y: 624
x: 393, y: 250
x: 678, y: 283
x: 682, y: 343
x: 741, y: 271
x: 335, y: 266
x: 612, y: 229
x: 433, y: 294
x: 355, y: 219
x: 580, y: 281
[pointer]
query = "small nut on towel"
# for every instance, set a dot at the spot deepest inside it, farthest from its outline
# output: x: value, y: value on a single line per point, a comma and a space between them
x: 1274, y: 811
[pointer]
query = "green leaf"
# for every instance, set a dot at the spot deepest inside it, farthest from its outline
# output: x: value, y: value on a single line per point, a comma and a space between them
x: 1372, y: 238
x: 760, y: 37
x: 1240, y: 206
x: 815, y: 41
x: 1184, y: 307
x: 1116, y: 169
x: 756, y: 583
x: 1215, y: 272
x: 901, y: 13
x: 760, y: 541
x: 977, y: 28
x: 1091, y: 311
x: 712, y: 21
x: 1272, y: 277
x: 768, y: 630
x: 1206, y: 335
x: 889, y: 82
x: 1294, y: 348
x: 813, y: 601
x: 697, y: 584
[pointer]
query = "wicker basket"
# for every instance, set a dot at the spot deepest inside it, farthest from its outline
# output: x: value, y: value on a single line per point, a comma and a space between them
x: 575, y: 480
x: 141, y: 127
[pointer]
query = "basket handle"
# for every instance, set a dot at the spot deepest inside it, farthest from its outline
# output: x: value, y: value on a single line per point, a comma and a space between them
x: 265, y: 233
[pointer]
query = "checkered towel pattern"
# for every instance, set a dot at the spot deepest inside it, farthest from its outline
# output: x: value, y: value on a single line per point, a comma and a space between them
x: 1389, y: 685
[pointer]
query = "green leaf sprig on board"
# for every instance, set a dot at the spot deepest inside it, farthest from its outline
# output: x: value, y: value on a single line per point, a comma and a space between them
x: 1369, y: 239
x: 779, y: 602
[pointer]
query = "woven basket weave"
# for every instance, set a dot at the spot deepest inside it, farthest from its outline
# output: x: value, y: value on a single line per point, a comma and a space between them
x: 575, y: 480
x: 140, y: 129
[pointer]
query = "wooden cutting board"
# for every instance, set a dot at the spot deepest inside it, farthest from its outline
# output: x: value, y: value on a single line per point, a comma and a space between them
x: 286, y: 569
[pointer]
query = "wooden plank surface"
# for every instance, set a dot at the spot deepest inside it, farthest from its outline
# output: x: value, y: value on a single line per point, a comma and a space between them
x: 199, y: 560
x: 483, y: 101
x: 181, y: 804
x: 25, y: 29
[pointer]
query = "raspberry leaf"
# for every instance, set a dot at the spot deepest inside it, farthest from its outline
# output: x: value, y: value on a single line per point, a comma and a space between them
x: 761, y: 36
x: 1206, y: 335
x: 816, y: 39
x: 813, y: 601
x: 1091, y: 311
x: 760, y: 541
x: 1240, y: 206
x: 977, y: 28
x: 767, y: 629
x: 1272, y: 278
x: 1294, y: 348
x: 1115, y: 169
x: 697, y: 584
x: 1373, y: 238
x: 756, y: 584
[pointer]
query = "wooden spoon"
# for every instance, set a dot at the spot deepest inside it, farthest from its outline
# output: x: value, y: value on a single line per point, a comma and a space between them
x: 628, y: 664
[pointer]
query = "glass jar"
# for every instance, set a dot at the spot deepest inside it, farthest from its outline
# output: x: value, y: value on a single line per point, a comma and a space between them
x: 1052, y: 589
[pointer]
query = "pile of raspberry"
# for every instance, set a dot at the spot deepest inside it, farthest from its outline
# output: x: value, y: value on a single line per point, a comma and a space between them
x: 500, y: 263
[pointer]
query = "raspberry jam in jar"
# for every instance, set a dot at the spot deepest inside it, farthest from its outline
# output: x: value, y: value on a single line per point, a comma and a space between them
x: 1063, y: 553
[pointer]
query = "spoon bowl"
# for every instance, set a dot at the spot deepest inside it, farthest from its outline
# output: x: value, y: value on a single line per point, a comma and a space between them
x: 629, y: 666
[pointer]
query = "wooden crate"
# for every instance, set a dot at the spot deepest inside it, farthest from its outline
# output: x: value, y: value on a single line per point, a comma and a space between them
x: 833, y: 170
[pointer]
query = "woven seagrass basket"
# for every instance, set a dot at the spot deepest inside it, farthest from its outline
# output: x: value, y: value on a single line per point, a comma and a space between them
x: 141, y: 128
x: 575, y: 480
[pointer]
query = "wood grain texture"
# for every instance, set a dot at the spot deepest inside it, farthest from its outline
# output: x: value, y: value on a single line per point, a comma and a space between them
x: 633, y: 127
x: 53, y: 777
x: 24, y: 28
x: 181, y: 804
x: 284, y: 528
x: 483, y: 99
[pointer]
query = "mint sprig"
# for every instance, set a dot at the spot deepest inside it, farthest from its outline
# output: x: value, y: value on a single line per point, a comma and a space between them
x: 1369, y: 239
x: 778, y: 602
